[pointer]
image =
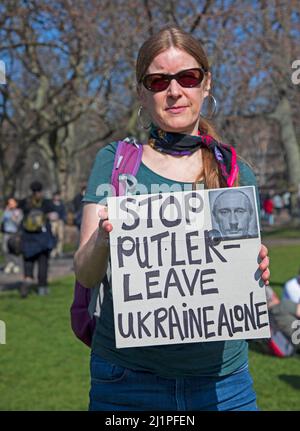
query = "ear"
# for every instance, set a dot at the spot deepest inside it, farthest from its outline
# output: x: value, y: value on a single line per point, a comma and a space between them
x: 207, y: 84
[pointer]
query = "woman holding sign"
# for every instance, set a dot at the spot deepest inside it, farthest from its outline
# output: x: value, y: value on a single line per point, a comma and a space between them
x: 173, y: 80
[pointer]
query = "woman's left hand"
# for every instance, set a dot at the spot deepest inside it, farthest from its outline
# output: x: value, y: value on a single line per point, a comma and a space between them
x: 264, y: 264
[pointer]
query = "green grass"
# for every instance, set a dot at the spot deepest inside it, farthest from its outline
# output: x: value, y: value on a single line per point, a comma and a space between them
x: 284, y: 264
x: 69, y: 248
x: 276, y: 380
x: 44, y: 367
x: 282, y: 232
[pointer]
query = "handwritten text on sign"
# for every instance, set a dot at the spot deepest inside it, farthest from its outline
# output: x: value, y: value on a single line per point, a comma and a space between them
x: 185, y: 268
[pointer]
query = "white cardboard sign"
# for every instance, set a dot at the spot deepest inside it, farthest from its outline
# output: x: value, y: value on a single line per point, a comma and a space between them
x: 185, y: 267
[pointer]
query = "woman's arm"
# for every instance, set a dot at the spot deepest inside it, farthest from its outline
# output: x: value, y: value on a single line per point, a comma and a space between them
x: 91, y: 258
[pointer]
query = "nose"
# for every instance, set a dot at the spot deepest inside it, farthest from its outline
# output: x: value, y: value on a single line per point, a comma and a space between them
x: 174, y: 89
x: 233, y: 221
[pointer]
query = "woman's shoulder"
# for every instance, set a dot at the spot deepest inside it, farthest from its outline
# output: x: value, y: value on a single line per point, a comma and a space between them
x: 247, y: 175
x: 100, y: 175
x: 108, y: 150
x: 106, y: 155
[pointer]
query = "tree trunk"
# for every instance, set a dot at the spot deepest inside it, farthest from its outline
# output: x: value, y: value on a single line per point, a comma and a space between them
x: 283, y: 115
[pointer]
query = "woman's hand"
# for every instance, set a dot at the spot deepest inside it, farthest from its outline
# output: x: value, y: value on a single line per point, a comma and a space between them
x: 264, y: 264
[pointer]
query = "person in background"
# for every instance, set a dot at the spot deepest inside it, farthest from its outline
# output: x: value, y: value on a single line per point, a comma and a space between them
x: 11, y: 219
x: 57, y: 219
x: 286, y: 198
x: 37, y: 239
x: 278, y: 204
x: 291, y: 289
x: 283, y: 313
x: 268, y: 209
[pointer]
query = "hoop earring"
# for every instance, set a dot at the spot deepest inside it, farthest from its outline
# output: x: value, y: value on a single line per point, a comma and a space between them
x: 140, y: 120
x: 213, y: 109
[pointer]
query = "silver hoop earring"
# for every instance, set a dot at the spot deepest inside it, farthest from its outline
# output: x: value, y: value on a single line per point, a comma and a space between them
x: 212, y: 108
x: 140, y: 120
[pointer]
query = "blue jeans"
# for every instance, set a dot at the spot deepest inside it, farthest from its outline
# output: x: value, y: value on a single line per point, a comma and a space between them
x: 116, y: 388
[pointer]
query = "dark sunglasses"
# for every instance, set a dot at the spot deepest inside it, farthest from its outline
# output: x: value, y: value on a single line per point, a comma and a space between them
x: 188, y: 78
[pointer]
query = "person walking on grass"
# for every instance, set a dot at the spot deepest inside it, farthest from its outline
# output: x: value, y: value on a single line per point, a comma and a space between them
x: 37, y: 239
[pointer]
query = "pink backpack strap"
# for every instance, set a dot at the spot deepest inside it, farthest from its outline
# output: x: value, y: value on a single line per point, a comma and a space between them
x: 127, y: 161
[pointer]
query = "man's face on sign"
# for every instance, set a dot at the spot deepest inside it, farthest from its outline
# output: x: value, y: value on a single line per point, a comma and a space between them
x: 232, y: 212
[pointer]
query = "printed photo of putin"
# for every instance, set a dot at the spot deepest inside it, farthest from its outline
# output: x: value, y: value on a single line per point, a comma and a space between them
x: 233, y: 213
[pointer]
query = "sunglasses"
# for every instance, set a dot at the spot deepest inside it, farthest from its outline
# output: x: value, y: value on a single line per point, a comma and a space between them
x: 188, y: 78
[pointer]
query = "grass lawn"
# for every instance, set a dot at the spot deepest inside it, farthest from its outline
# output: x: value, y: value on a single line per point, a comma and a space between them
x: 43, y: 366
x: 281, y: 232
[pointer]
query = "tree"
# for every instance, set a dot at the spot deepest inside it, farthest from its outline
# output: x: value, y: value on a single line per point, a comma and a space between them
x: 52, y: 81
x: 71, y: 83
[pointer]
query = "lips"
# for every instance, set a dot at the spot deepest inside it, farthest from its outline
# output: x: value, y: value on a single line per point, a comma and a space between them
x: 176, y: 109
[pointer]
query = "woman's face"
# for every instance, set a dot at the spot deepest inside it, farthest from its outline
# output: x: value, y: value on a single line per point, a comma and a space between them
x: 175, y: 109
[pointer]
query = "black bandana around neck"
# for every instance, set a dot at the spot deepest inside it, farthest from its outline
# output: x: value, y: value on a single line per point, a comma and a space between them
x: 179, y: 144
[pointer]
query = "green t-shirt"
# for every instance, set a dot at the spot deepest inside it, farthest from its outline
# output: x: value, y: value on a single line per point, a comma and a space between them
x: 189, y: 359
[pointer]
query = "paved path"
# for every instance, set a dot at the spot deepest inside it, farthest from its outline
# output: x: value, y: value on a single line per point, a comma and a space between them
x: 57, y: 268
x: 64, y: 266
x: 269, y: 242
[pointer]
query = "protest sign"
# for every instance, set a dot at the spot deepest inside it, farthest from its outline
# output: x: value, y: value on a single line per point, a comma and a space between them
x: 185, y: 267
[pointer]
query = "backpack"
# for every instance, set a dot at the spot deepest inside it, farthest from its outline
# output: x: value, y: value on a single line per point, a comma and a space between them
x: 35, y: 219
x: 14, y: 244
x: 2, y: 227
x: 86, y: 305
